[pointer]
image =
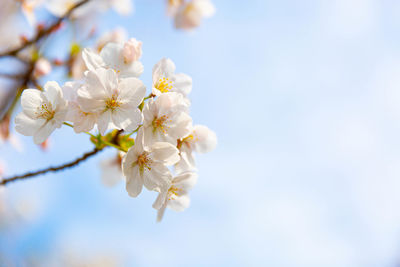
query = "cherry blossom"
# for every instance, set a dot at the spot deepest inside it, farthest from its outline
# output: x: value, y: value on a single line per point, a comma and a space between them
x: 165, y: 119
x: 190, y: 14
x: 176, y: 197
x: 117, y: 56
x: 165, y: 80
x: 42, y: 112
x: 115, y: 102
x: 200, y: 140
x: 83, y: 121
x: 147, y: 165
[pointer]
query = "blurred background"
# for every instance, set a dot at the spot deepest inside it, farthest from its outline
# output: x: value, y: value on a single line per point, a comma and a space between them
x: 305, y: 99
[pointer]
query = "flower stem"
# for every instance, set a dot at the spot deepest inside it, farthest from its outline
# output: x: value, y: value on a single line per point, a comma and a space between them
x: 98, y: 138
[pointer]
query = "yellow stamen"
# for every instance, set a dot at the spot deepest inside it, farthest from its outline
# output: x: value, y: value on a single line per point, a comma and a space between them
x: 173, y: 193
x: 112, y: 103
x: 159, y: 123
x: 164, y: 85
x: 144, y: 161
x: 45, y: 112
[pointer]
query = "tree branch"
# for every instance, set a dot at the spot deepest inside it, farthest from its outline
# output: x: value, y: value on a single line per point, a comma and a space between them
x: 74, y: 163
x: 43, y: 33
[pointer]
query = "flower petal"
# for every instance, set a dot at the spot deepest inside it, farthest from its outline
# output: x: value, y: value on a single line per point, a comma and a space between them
x: 179, y: 204
x: 44, y: 132
x: 26, y: 125
x: 165, y: 152
x: 31, y: 100
x: 134, y: 183
x: 131, y: 91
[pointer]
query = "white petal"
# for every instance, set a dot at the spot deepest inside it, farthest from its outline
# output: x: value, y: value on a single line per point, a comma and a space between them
x: 92, y: 60
x: 112, y: 56
x: 186, y: 162
x: 127, y: 118
x: 181, y: 126
x: 165, y: 152
x: 134, y: 69
x: 26, y: 125
x: 204, y: 139
x: 132, y: 91
x: 185, y: 181
x: 160, y: 200
x: 139, y: 142
x: 180, y: 203
x: 53, y: 93
x: 158, y: 178
x: 31, y: 99
x: 160, y: 213
x: 134, y: 183
x: 182, y: 83
x: 104, y: 122
x: 44, y: 132
x: 164, y: 68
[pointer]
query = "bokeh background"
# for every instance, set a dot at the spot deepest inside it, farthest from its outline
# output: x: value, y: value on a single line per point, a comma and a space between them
x: 305, y: 99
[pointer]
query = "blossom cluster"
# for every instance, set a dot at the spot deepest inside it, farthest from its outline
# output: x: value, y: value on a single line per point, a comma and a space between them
x: 154, y: 133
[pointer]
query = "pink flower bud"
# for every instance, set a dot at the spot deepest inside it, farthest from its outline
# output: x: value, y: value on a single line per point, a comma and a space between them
x: 132, y: 50
x: 42, y: 67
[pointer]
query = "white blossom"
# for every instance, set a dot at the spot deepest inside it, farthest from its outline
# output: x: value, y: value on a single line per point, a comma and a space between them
x: 115, y: 101
x: 201, y: 140
x: 132, y: 51
x: 83, y: 121
x: 114, y: 56
x: 42, y: 112
x: 165, y: 119
x: 147, y: 165
x: 166, y: 80
x: 176, y: 197
x: 191, y: 13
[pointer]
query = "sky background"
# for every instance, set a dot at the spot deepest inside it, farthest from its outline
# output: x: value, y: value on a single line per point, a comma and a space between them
x: 305, y: 99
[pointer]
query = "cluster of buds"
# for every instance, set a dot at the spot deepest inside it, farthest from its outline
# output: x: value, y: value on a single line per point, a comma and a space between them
x: 154, y: 134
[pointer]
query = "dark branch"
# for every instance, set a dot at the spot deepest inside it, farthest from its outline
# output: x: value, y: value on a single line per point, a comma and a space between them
x: 43, y: 33
x: 51, y: 169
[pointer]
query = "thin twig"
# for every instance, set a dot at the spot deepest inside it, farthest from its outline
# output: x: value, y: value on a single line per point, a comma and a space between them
x: 52, y: 169
x: 11, y: 76
x: 43, y: 33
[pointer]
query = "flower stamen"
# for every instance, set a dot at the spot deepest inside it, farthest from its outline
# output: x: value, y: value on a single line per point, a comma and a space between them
x: 112, y: 103
x: 144, y: 162
x: 164, y: 85
x: 45, y: 111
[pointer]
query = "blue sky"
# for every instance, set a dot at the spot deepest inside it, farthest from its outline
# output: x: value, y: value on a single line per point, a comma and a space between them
x: 304, y: 97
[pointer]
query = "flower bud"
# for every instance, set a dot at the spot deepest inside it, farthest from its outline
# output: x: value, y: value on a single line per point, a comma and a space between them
x: 42, y: 67
x: 117, y: 35
x: 132, y: 50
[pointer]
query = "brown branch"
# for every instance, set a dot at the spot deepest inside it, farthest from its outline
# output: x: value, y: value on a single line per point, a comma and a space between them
x: 43, y: 33
x: 74, y: 163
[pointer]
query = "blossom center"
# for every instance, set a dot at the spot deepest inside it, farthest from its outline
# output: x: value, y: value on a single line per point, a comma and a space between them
x: 160, y: 123
x: 164, y: 85
x: 144, y: 162
x: 112, y: 103
x: 173, y: 193
x: 45, y: 111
